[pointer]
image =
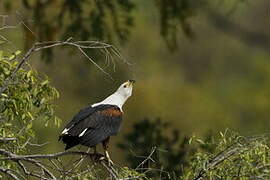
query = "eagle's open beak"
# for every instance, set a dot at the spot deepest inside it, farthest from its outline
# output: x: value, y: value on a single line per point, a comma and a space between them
x: 131, y: 81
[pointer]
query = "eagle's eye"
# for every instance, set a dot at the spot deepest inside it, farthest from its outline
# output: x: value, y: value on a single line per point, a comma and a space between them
x: 125, y: 86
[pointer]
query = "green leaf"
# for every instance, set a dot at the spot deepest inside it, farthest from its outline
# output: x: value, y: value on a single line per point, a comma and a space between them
x: 45, y: 82
x: 4, y: 95
x: 17, y: 52
x: 29, y: 73
x: 200, y: 141
x: 29, y: 125
x: 11, y: 57
x: 30, y: 115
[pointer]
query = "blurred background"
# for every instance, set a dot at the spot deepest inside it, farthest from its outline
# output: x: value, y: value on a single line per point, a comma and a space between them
x: 200, y: 65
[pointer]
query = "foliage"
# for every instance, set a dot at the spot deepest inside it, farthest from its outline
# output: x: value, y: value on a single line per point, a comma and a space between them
x: 155, y: 150
x: 110, y: 21
x: 226, y: 157
x: 126, y: 172
x: 174, y: 14
x: 27, y: 98
x: 234, y: 156
x: 229, y: 86
x: 106, y: 20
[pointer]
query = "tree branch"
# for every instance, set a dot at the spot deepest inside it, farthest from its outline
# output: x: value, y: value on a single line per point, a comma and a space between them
x: 4, y: 140
x: 12, y: 156
x: 9, y: 172
x: 80, y: 45
x: 33, y: 160
x: 220, y: 157
x: 234, y: 149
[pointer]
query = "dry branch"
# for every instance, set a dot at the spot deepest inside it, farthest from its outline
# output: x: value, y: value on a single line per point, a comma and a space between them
x: 149, y: 157
x: 12, y: 156
x: 80, y: 45
x: 9, y: 172
x: 220, y: 157
x: 35, y: 160
x: 8, y: 139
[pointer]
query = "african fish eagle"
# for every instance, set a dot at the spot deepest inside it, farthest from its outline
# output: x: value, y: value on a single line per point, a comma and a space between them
x: 97, y: 122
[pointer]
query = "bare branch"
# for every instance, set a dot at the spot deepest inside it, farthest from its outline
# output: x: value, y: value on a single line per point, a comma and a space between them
x: 26, y: 172
x: 37, y: 145
x: 220, y: 157
x: 147, y: 158
x: 110, y: 170
x: 94, y: 62
x: 33, y: 160
x: 9, y: 172
x: 4, y: 140
x: 80, y: 45
x: 47, y: 156
x: 76, y: 165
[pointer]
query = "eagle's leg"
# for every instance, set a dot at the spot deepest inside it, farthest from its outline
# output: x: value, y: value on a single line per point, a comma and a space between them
x: 95, y: 154
x: 105, y: 144
x: 95, y: 150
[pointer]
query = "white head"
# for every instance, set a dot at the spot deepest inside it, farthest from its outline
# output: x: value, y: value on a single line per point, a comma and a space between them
x: 120, y: 96
x: 125, y: 90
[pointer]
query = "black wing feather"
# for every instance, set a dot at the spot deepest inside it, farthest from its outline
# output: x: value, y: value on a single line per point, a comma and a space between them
x: 107, y: 126
x: 99, y: 126
x: 81, y: 115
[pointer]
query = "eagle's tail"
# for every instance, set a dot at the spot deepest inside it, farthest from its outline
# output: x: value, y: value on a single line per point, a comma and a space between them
x: 70, y: 141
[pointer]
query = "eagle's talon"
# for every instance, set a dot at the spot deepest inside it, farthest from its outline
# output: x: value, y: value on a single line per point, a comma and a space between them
x: 102, y: 158
x: 110, y: 162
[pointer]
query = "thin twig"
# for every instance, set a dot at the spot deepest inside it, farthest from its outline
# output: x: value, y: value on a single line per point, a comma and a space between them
x: 110, y: 170
x: 26, y: 172
x: 9, y: 172
x: 80, y: 45
x: 94, y: 63
x: 32, y: 159
x: 147, y: 158
x: 79, y: 162
x: 12, y: 156
x: 2, y: 139
x: 37, y: 145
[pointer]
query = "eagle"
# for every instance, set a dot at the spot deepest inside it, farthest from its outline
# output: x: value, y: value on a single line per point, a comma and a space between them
x: 98, y: 122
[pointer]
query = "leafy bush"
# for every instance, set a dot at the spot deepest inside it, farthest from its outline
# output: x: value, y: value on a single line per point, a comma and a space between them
x: 234, y: 156
x: 156, y: 150
x: 227, y: 156
x: 26, y: 96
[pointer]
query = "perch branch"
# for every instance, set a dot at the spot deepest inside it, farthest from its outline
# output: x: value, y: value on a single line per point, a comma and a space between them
x: 33, y: 159
x: 12, y: 156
